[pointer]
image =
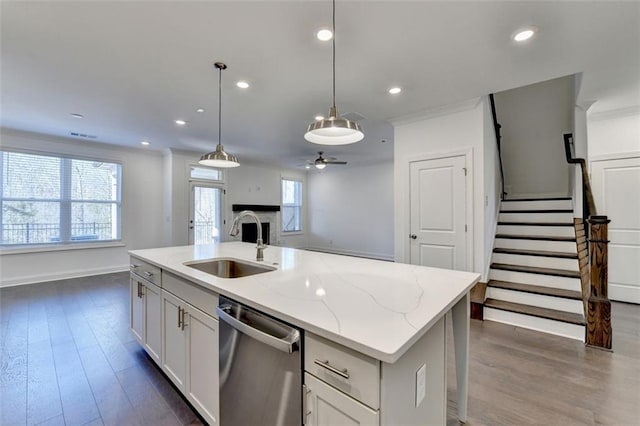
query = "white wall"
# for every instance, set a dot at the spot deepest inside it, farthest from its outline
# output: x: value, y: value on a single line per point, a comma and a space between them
x: 533, y: 120
x: 351, y: 210
x: 614, y: 133
x: 453, y: 128
x: 142, y: 206
x: 259, y: 184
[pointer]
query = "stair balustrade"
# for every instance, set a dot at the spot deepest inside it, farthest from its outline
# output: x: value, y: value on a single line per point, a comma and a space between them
x: 596, y: 302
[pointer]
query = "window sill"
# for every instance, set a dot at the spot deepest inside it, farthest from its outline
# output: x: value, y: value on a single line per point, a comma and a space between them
x: 291, y: 233
x: 59, y: 247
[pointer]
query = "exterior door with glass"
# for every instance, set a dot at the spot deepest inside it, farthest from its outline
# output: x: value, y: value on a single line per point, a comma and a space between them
x: 205, y: 216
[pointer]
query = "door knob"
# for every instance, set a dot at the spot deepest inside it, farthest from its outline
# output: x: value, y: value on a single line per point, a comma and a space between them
x: 413, y: 236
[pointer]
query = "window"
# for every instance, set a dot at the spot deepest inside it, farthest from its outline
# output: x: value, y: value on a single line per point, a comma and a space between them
x: 291, y: 205
x: 46, y: 199
x: 205, y: 173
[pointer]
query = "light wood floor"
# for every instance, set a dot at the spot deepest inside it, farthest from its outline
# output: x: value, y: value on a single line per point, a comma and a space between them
x: 67, y: 357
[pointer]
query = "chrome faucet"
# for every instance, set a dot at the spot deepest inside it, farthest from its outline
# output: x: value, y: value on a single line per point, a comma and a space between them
x: 235, y: 230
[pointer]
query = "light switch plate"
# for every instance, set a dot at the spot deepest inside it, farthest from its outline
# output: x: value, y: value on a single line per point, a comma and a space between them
x: 421, y: 384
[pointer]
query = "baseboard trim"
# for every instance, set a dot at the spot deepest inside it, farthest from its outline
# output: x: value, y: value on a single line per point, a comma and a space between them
x: 375, y: 256
x: 35, y: 279
x: 624, y: 293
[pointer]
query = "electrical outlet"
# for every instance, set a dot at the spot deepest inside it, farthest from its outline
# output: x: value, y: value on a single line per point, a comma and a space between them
x: 421, y: 384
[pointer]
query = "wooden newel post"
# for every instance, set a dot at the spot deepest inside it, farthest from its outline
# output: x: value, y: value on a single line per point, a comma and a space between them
x: 598, y: 305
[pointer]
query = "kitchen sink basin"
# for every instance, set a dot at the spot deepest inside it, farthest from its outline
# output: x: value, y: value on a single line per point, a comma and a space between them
x: 229, y: 268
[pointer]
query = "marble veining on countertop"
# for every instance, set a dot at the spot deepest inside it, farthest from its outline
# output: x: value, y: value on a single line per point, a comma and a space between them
x: 375, y: 307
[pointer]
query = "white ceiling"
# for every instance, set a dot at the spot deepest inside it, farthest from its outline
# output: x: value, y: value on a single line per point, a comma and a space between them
x: 131, y: 68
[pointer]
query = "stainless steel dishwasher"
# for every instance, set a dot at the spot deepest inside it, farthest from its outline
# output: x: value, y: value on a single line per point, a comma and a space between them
x: 260, y: 368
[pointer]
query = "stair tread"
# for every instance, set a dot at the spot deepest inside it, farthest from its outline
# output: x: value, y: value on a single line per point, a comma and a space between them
x: 539, y: 199
x: 535, y: 237
x: 540, y: 253
x: 536, y: 223
x: 536, y: 311
x: 537, y: 270
x: 538, y: 211
x: 536, y: 289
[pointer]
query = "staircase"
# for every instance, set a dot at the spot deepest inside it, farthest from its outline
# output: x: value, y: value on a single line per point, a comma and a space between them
x: 534, y: 280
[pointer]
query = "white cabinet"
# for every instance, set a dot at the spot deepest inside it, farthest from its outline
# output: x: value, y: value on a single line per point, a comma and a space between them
x: 145, y: 315
x: 345, y: 387
x: 327, y: 406
x: 190, y: 353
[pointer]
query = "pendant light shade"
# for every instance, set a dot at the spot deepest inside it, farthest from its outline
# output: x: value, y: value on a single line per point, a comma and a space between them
x: 219, y: 158
x: 334, y: 130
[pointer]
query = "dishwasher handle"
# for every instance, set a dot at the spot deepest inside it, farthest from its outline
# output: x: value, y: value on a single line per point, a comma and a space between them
x: 288, y: 344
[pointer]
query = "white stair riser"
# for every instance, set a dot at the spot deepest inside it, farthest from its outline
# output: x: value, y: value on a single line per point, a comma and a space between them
x: 536, y: 217
x: 544, y: 325
x: 539, y: 300
x: 563, y: 246
x: 535, y: 279
x: 546, y: 231
x: 537, y: 205
x: 538, y: 261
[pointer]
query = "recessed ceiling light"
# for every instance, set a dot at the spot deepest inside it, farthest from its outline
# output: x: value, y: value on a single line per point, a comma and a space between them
x: 200, y: 110
x: 319, y: 117
x: 180, y: 122
x: 76, y: 115
x: 242, y: 84
x: 524, y: 34
x: 324, y: 34
x: 145, y: 143
x: 395, y: 90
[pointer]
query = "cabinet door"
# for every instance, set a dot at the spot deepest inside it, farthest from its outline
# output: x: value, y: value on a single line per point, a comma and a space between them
x: 174, y: 340
x: 327, y: 406
x: 152, y: 321
x: 202, y: 363
x: 136, y: 319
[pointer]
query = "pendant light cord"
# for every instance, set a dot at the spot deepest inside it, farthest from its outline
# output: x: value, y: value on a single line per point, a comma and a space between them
x: 220, y: 106
x: 334, y: 53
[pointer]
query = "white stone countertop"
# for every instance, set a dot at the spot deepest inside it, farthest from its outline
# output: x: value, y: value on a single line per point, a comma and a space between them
x: 375, y: 307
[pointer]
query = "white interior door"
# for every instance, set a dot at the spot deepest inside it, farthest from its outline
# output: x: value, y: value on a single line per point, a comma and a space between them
x: 205, y: 214
x: 438, y: 213
x: 616, y: 189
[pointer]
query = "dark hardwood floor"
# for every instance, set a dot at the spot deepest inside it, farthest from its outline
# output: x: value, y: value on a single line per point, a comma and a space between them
x: 68, y: 358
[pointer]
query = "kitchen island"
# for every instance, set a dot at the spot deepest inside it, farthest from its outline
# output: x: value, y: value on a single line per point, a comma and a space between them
x: 383, y: 311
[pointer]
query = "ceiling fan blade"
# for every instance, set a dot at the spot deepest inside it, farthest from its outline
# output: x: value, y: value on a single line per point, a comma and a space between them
x: 335, y: 162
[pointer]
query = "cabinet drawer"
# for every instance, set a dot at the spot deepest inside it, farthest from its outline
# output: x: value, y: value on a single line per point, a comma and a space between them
x: 347, y: 370
x: 202, y: 299
x: 145, y: 270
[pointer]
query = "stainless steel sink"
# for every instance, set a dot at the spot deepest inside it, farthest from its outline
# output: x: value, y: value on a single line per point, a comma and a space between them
x: 229, y: 268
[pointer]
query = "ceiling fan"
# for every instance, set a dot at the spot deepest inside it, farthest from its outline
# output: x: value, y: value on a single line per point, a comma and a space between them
x: 321, y: 162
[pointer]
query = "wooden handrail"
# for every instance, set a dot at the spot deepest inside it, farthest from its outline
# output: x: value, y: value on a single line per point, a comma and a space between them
x: 496, y: 128
x: 589, y: 206
x: 597, y: 306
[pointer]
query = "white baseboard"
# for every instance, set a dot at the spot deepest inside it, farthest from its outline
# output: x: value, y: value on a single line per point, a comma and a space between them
x: 39, y: 278
x: 376, y: 256
x: 624, y: 293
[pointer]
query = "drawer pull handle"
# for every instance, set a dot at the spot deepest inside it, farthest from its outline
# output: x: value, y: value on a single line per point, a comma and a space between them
x: 325, y: 364
x: 149, y: 274
x: 133, y: 266
x: 179, y: 317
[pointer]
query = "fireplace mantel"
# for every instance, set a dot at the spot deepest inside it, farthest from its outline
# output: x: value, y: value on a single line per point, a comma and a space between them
x: 255, y: 207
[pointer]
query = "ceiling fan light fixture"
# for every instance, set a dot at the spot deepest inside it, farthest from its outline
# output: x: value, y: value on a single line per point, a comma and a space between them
x: 334, y: 130
x: 219, y: 158
x: 320, y: 164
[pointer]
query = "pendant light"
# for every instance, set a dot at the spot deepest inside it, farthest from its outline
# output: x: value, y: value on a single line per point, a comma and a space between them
x: 334, y: 130
x: 219, y: 158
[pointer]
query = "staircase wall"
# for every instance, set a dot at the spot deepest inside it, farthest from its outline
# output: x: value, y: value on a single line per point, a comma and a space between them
x: 533, y: 120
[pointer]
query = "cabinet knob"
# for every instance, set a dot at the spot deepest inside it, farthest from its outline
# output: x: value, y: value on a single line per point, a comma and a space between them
x: 413, y: 236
